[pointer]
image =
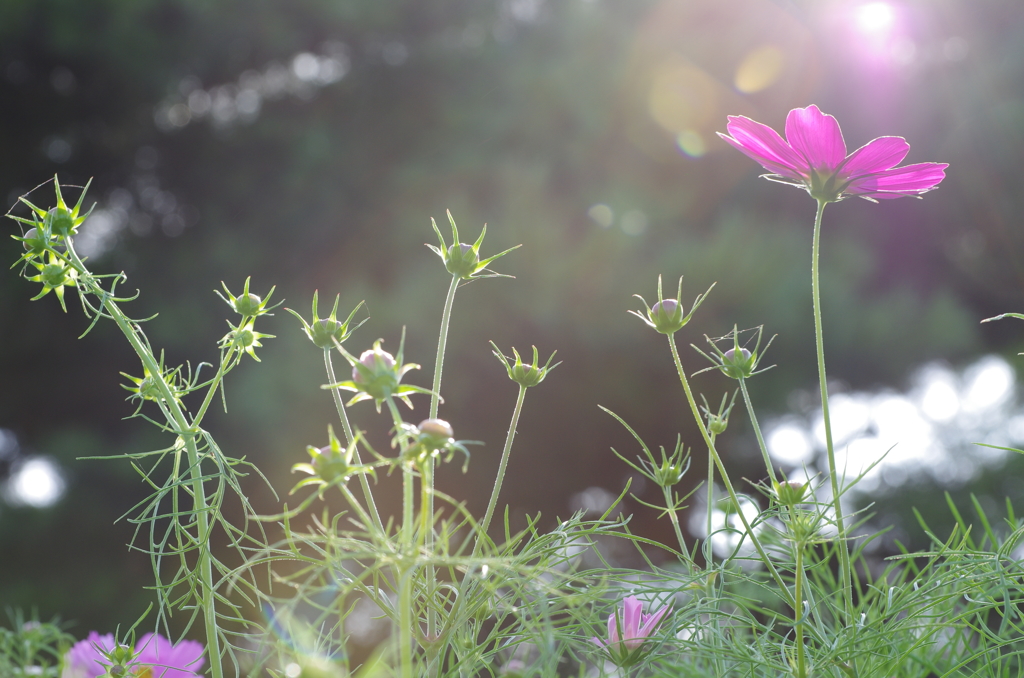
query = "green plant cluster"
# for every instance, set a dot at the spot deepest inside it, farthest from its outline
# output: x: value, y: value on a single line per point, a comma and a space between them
x: 788, y: 590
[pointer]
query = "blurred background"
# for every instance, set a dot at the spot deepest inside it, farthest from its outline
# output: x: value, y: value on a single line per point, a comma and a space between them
x: 308, y: 143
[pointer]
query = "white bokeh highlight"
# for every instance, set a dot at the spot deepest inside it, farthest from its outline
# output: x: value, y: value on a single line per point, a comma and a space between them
x: 929, y: 431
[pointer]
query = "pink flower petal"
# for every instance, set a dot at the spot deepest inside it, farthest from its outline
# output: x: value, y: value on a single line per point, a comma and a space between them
x: 652, y: 621
x: 181, y: 660
x: 613, y: 628
x: 899, y: 182
x: 764, y: 145
x: 876, y: 156
x: 816, y: 137
x: 85, y: 658
x: 632, y: 615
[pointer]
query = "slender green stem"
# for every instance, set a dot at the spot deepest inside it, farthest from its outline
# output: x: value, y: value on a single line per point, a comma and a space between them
x: 757, y: 432
x: 408, y: 559
x: 670, y: 507
x: 798, y: 612
x: 844, y: 553
x: 349, y: 437
x: 482, y: 529
x: 442, y: 341
x: 711, y: 498
x: 408, y: 487
x: 783, y: 590
x: 356, y: 506
x: 188, y: 434
x: 428, y: 465
x: 405, y: 622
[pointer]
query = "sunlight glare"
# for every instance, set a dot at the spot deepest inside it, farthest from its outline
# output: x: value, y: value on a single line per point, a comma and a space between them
x: 875, y: 18
x: 759, y: 70
x: 788, y: 444
x: 987, y: 384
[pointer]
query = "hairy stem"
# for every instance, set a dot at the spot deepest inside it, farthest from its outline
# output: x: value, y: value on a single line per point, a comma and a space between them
x: 844, y: 553
x: 672, y: 515
x: 188, y: 433
x: 482, y: 529
x: 349, y: 438
x: 709, y: 555
x: 798, y: 613
x: 757, y: 432
x: 435, y: 398
x: 783, y: 590
x: 442, y: 341
x: 408, y: 558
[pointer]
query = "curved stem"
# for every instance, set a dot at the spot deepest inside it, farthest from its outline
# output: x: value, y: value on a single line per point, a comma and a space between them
x: 757, y: 432
x: 482, y: 529
x: 783, y: 590
x: 188, y: 434
x: 844, y: 553
x: 442, y: 341
x: 349, y: 437
x: 428, y: 465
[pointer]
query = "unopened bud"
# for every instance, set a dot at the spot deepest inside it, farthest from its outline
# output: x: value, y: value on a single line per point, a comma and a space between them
x: 790, y: 492
x: 435, y: 432
x: 669, y: 474
x: 53, y: 275
x: 717, y: 425
x: 667, y: 316
x: 324, y: 331
x: 462, y: 260
x: 375, y: 360
x: 248, y: 304
x: 60, y: 222
x: 738, y: 363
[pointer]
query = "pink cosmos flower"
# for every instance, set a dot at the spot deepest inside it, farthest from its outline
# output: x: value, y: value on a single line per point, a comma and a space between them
x: 155, y: 657
x: 635, y: 628
x: 813, y: 156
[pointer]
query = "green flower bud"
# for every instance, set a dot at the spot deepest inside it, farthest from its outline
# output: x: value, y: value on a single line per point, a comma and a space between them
x: 790, y: 492
x: 245, y: 338
x: 667, y: 316
x: 377, y: 373
x: 462, y: 260
x: 327, y: 332
x: 248, y: 304
x: 33, y: 242
x: 717, y: 425
x: 60, y: 222
x: 54, y: 275
x: 669, y: 473
x: 329, y: 463
x: 377, y: 362
x: 738, y: 364
x: 435, y: 433
x: 524, y: 374
x: 149, y: 390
